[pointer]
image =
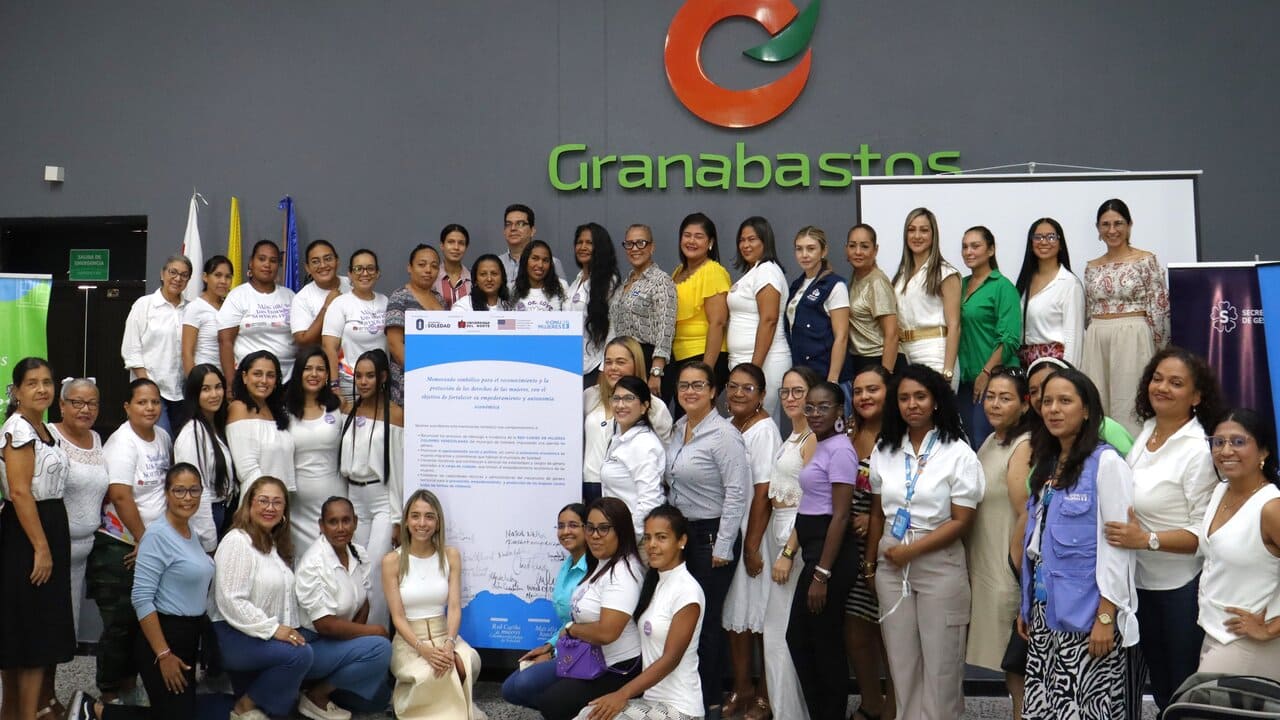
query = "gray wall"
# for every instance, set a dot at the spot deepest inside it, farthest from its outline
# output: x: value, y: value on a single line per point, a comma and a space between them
x: 387, y: 120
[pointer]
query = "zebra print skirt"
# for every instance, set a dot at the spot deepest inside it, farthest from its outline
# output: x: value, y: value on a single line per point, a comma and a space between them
x: 1065, y: 682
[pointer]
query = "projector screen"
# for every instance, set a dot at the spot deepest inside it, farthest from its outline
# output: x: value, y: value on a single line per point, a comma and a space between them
x: 1164, y: 206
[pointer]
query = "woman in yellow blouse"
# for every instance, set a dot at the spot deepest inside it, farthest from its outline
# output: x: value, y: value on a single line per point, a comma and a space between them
x: 702, y: 307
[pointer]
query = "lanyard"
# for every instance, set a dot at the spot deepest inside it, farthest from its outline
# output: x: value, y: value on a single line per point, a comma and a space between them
x: 921, y: 462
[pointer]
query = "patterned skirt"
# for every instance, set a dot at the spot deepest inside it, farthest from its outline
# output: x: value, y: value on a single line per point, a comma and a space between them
x: 862, y: 601
x: 1065, y: 682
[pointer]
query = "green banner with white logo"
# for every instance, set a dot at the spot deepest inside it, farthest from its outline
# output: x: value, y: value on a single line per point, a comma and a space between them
x: 24, y: 312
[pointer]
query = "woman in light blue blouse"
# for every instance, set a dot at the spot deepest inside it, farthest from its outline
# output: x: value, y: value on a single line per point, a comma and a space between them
x: 170, y: 589
x: 537, y: 667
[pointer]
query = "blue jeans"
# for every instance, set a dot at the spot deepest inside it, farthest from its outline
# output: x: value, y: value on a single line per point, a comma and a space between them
x: 270, y: 672
x: 1169, y: 637
x: 523, y: 687
x: 972, y: 415
x: 359, y: 666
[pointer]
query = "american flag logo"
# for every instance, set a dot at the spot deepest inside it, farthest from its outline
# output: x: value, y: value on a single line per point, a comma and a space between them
x: 505, y: 324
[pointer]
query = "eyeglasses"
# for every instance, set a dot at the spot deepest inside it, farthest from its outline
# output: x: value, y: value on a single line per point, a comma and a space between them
x: 267, y: 503
x: 1237, y: 442
x: 509, y: 224
x: 695, y: 385
x: 170, y: 272
x: 569, y: 526
x: 824, y: 408
x: 187, y: 492
x: 364, y: 270
x: 623, y: 399
x: 82, y: 404
x: 598, y: 530
x: 748, y: 388
x: 1046, y: 238
x: 635, y: 244
x: 1012, y: 371
x: 322, y: 260
x: 792, y: 392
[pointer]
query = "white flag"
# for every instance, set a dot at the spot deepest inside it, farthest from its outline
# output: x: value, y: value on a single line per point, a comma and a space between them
x: 192, y: 249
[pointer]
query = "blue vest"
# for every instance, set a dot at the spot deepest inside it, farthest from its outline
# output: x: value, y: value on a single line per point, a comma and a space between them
x: 1068, y: 552
x: 811, y: 337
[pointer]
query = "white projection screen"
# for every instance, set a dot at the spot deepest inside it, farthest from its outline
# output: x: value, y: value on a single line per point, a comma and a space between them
x: 1164, y: 205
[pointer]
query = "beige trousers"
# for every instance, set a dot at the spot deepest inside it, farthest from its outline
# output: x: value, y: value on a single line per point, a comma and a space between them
x: 1115, y: 353
x: 1244, y: 656
x: 419, y: 694
x: 924, y: 635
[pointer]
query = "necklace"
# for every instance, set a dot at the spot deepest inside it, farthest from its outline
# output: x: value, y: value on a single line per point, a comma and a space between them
x: 1236, y: 506
x: 748, y: 422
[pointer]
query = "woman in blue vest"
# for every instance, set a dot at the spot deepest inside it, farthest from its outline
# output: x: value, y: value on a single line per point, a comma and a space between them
x: 1078, y: 594
x: 818, y: 311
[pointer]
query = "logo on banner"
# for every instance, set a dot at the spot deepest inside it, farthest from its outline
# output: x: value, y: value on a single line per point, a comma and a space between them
x: 1223, y: 317
x: 791, y: 31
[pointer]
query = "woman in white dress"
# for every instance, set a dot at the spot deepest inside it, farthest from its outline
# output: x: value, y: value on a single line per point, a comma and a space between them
x: 928, y: 289
x: 315, y: 423
x: 200, y: 318
x: 354, y: 322
x: 756, y: 334
x: 622, y: 357
x: 744, y: 606
x: 202, y: 442
x: 258, y: 423
x: 537, y: 286
x: 371, y: 460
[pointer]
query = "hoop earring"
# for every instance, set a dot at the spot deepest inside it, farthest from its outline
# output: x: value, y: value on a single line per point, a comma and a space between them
x: 839, y: 425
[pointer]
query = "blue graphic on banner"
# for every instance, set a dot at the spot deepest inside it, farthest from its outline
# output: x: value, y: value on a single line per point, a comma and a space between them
x: 1269, y: 289
x: 509, y: 623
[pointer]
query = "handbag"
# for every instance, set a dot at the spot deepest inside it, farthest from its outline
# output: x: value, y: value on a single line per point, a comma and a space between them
x: 579, y: 659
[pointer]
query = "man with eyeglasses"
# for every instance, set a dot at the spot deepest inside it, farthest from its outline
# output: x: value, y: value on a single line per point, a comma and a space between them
x: 645, y: 306
x: 518, y: 229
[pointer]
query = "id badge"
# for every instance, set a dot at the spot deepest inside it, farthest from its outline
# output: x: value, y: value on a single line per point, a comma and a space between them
x: 901, y: 521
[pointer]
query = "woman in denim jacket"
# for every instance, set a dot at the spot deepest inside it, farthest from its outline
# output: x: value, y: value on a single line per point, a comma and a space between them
x: 1078, y: 591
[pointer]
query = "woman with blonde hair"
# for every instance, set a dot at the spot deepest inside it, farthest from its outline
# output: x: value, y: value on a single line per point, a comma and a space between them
x: 928, y: 289
x: 434, y: 667
x: 817, y: 314
x: 622, y: 356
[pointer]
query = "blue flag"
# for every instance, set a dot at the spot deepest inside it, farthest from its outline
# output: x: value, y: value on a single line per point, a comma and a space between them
x: 292, y: 268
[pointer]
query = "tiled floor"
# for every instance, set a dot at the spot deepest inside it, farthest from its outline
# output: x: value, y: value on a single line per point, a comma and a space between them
x: 78, y: 675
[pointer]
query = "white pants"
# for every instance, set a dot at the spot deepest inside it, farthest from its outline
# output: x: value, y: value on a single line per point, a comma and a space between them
x: 780, y: 677
x: 931, y: 352
x: 80, y: 548
x: 374, y: 519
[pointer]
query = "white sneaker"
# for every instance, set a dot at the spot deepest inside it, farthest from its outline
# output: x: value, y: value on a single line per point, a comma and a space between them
x: 308, y: 709
x: 254, y: 714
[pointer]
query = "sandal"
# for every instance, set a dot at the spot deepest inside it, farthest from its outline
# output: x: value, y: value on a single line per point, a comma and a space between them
x: 55, y: 710
x: 760, y: 710
x: 733, y: 705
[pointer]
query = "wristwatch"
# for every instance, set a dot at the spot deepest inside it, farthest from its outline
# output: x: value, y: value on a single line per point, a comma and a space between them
x: 567, y: 627
x: 788, y: 553
x: 1153, y: 542
x: 1104, y: 618
x: 948, y: 375
x: 656, y: 371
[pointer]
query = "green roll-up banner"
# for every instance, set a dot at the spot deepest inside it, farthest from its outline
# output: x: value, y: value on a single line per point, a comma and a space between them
x: 24, y: 313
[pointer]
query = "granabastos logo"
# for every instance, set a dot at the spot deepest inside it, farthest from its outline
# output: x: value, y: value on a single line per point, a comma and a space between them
x: 571, y: 167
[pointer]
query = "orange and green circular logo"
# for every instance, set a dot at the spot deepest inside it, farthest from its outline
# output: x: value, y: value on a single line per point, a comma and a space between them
x: 791, y: 31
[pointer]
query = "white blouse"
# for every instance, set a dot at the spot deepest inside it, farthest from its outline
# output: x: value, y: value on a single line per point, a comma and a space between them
x: 49, y: 475
x: 325, y: 587
x: 744, y: 311
x: 197, y: 446
x: 598, y: 430
x: 1239, y: 571
x: 762, y: 440
x: 362, y: 450
x: 1056, y: 315
x: 260, y: 448
x: 204, y: 318
x: 153, y: 341
x: 253, y: 592
x: 86, y: 485
x: 579, y: 293
x: 1171, y: 488
x: 632, y: 471
x: 681, y: 688
x: 916, y: 308
x: 952, y: 475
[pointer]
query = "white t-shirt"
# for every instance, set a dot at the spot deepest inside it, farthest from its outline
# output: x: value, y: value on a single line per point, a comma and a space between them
x: 142, y: 466
x: 308, y: 301
x: 618, y: 589
x: 358, y: 324
x: 537, y: 300
x: 681, y: 688
x: 263, y: 319
x: 204, y: 318
x: 836, y: 299
x: 744, y: 310
x: 952, y: 474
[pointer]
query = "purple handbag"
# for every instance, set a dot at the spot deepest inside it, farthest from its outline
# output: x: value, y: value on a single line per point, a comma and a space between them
x: 579, y: 659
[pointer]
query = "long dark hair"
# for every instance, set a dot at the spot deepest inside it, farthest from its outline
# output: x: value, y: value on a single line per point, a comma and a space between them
x: 1031, y: 263
x: 764, y: 231
x: 207, y: 433
x: 1202, y: 377
x: 479, y: 300
x: 946, y: 415
x: 604, y: 277
x: 550, y: 282
x: 1264, y: 434
x: 295, y: 397
x: 679, y: 526
x: 382, y: 370
x: 1046, y: 449
x: 275, y: 401
x: 619, y: 516
x: 708, y: 227
x: 24, y: 366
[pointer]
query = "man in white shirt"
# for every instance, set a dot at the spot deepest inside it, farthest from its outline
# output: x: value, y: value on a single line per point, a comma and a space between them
x: 518, y: 229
